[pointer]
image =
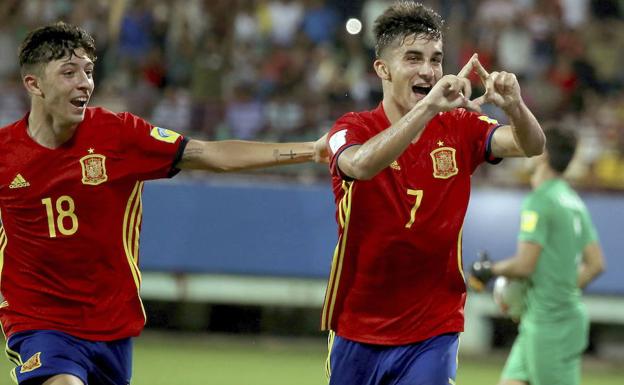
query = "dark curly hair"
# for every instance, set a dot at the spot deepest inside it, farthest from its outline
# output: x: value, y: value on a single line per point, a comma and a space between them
x: 406, y: 18
x: 560, y: 146
x: 53, y: 42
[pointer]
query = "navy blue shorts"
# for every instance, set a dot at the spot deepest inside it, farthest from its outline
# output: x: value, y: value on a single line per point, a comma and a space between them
x: 429, y: 362
x: 41, y: 354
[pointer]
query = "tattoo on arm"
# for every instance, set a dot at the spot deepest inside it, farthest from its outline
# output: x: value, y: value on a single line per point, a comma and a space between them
x: 192, y: 154
x: 289, y: 155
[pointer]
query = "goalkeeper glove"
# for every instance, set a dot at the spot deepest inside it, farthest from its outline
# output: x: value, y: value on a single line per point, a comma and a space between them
x: 481, y: 272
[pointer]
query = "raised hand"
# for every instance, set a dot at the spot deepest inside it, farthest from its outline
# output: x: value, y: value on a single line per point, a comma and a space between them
x: 453, y: 91
x: 501, y: 88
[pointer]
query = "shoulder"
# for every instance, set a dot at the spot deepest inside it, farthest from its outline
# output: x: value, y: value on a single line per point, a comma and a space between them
x: 101, y: 116
x: 8, y: 132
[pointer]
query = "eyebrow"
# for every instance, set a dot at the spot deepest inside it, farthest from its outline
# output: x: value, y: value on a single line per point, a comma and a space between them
x: 89, y: 64
x: 418, y: 52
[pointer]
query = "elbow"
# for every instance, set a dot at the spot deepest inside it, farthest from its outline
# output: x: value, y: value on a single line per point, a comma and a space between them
x: 362, y: 174
x: 536, y: 148
x: 525, y: 271
x: 361, y: 170
x: 599, y: 268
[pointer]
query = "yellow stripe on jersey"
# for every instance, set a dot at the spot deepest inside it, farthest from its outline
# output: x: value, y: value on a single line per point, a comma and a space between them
x: 336, y: 269
x: 128, y: 232
x: 13, y: 375
x: 460, y: 259
x: 3, y: 243
x: 131, y: 225
x: 137, y: 231
x: 330, y: 345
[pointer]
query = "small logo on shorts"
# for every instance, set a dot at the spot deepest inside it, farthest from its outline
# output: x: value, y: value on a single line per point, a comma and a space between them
x: 33, y: 363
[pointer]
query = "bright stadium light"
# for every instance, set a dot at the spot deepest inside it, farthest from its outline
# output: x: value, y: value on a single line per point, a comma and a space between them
x: 354, y: 26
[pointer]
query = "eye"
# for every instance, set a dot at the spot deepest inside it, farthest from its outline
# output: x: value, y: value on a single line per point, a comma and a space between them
x: 68, y: 73
x: 89, y: 73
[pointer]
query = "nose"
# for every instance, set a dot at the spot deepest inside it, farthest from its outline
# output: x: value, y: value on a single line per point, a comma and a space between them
x: 85, y: 82
x: 425, y: 71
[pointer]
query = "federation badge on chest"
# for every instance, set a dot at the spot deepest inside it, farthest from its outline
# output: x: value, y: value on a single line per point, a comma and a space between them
x: 93, y: 169
x: 444, y: 163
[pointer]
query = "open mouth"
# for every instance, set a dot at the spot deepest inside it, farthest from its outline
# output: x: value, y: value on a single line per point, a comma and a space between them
x: 79, y: 102
x: 422, y: 90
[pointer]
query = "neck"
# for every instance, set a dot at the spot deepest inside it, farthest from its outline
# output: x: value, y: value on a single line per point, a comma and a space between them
x: 392, y: 111
x: 47, y: 131
x: 542, y: 174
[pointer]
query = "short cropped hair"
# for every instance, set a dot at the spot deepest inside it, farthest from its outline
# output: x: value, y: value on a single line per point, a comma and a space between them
x: 560, y: 147
x: 53, y: 42
x: 406, y: 18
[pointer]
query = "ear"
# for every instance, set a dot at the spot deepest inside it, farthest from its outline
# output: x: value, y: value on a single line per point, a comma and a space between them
x: 381, y: 68
x: 32, y: 84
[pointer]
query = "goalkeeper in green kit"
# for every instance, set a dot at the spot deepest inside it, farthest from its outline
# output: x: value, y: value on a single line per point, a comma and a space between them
x: 558, y: 254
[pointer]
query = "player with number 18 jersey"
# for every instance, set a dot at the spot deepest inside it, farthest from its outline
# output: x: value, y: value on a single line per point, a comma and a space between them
x: 71, y: 218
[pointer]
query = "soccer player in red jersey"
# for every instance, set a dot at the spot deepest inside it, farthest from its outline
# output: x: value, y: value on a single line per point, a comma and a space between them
x: 401, y: 178
x: 71, y: 179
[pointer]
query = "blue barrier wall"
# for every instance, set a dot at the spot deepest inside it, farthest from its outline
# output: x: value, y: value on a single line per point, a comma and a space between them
x: 289, y: 229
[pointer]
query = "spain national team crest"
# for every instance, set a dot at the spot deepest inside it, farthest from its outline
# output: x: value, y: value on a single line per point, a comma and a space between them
x: 444, y: 163
x: 93, y: 169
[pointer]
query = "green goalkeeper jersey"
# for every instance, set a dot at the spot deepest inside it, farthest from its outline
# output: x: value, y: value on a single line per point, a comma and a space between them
x: 554, y: 217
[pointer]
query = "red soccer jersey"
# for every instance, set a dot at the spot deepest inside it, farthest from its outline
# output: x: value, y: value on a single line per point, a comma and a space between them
x: 397, y: 276
x: 71, y: 218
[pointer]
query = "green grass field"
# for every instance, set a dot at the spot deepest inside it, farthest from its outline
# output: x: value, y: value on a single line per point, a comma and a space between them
x: 171, y: 359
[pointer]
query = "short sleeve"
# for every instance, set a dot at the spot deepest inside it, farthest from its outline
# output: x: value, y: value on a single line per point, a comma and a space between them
x: 589, y: 233
x: 349, y: 130
x: 534, y: 220
x: 152, y: 152
x: 480, y: 129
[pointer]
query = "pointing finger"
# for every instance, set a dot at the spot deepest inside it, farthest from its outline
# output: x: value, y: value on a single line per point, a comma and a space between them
x: 483, y: 74
x: 467, y: 68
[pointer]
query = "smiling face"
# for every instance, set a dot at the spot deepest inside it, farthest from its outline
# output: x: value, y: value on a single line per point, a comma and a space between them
x: 409, y: 69
x: 64, y: 87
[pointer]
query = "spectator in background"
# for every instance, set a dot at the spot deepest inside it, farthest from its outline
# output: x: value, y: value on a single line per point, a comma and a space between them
x: 244, y: 113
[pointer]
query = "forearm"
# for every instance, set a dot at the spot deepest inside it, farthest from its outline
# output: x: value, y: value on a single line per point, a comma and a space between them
x: 526, y: 129
x: 588, y: 273
x: 382, y: 149
x: 238, y: 155
x: 511, y: 268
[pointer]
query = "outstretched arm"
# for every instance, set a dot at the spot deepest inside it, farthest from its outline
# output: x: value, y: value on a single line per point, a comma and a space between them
x: 524, y: 136
x: 238, y: 155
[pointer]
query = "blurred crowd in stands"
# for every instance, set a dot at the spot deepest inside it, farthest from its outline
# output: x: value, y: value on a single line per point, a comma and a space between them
x: 284, y: 70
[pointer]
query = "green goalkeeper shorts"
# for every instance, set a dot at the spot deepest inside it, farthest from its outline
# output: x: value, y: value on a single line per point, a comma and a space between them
x: 548, y: 353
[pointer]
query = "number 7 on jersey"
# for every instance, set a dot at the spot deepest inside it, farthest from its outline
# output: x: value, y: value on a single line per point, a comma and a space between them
x: 419, y: 196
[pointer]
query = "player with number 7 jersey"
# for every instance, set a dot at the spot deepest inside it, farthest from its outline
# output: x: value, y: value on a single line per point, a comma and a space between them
x: 399, y: 233
x: 71, y: 218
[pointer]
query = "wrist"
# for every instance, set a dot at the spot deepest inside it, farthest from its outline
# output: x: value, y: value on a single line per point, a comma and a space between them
x: 514, y: 109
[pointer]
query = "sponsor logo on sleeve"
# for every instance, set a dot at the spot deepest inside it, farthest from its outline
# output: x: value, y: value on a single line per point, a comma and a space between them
x: 488, y: 120
x: 528, y: 221
x: 338, y: 140
x: 164, y: 135
x: 33, y: 363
